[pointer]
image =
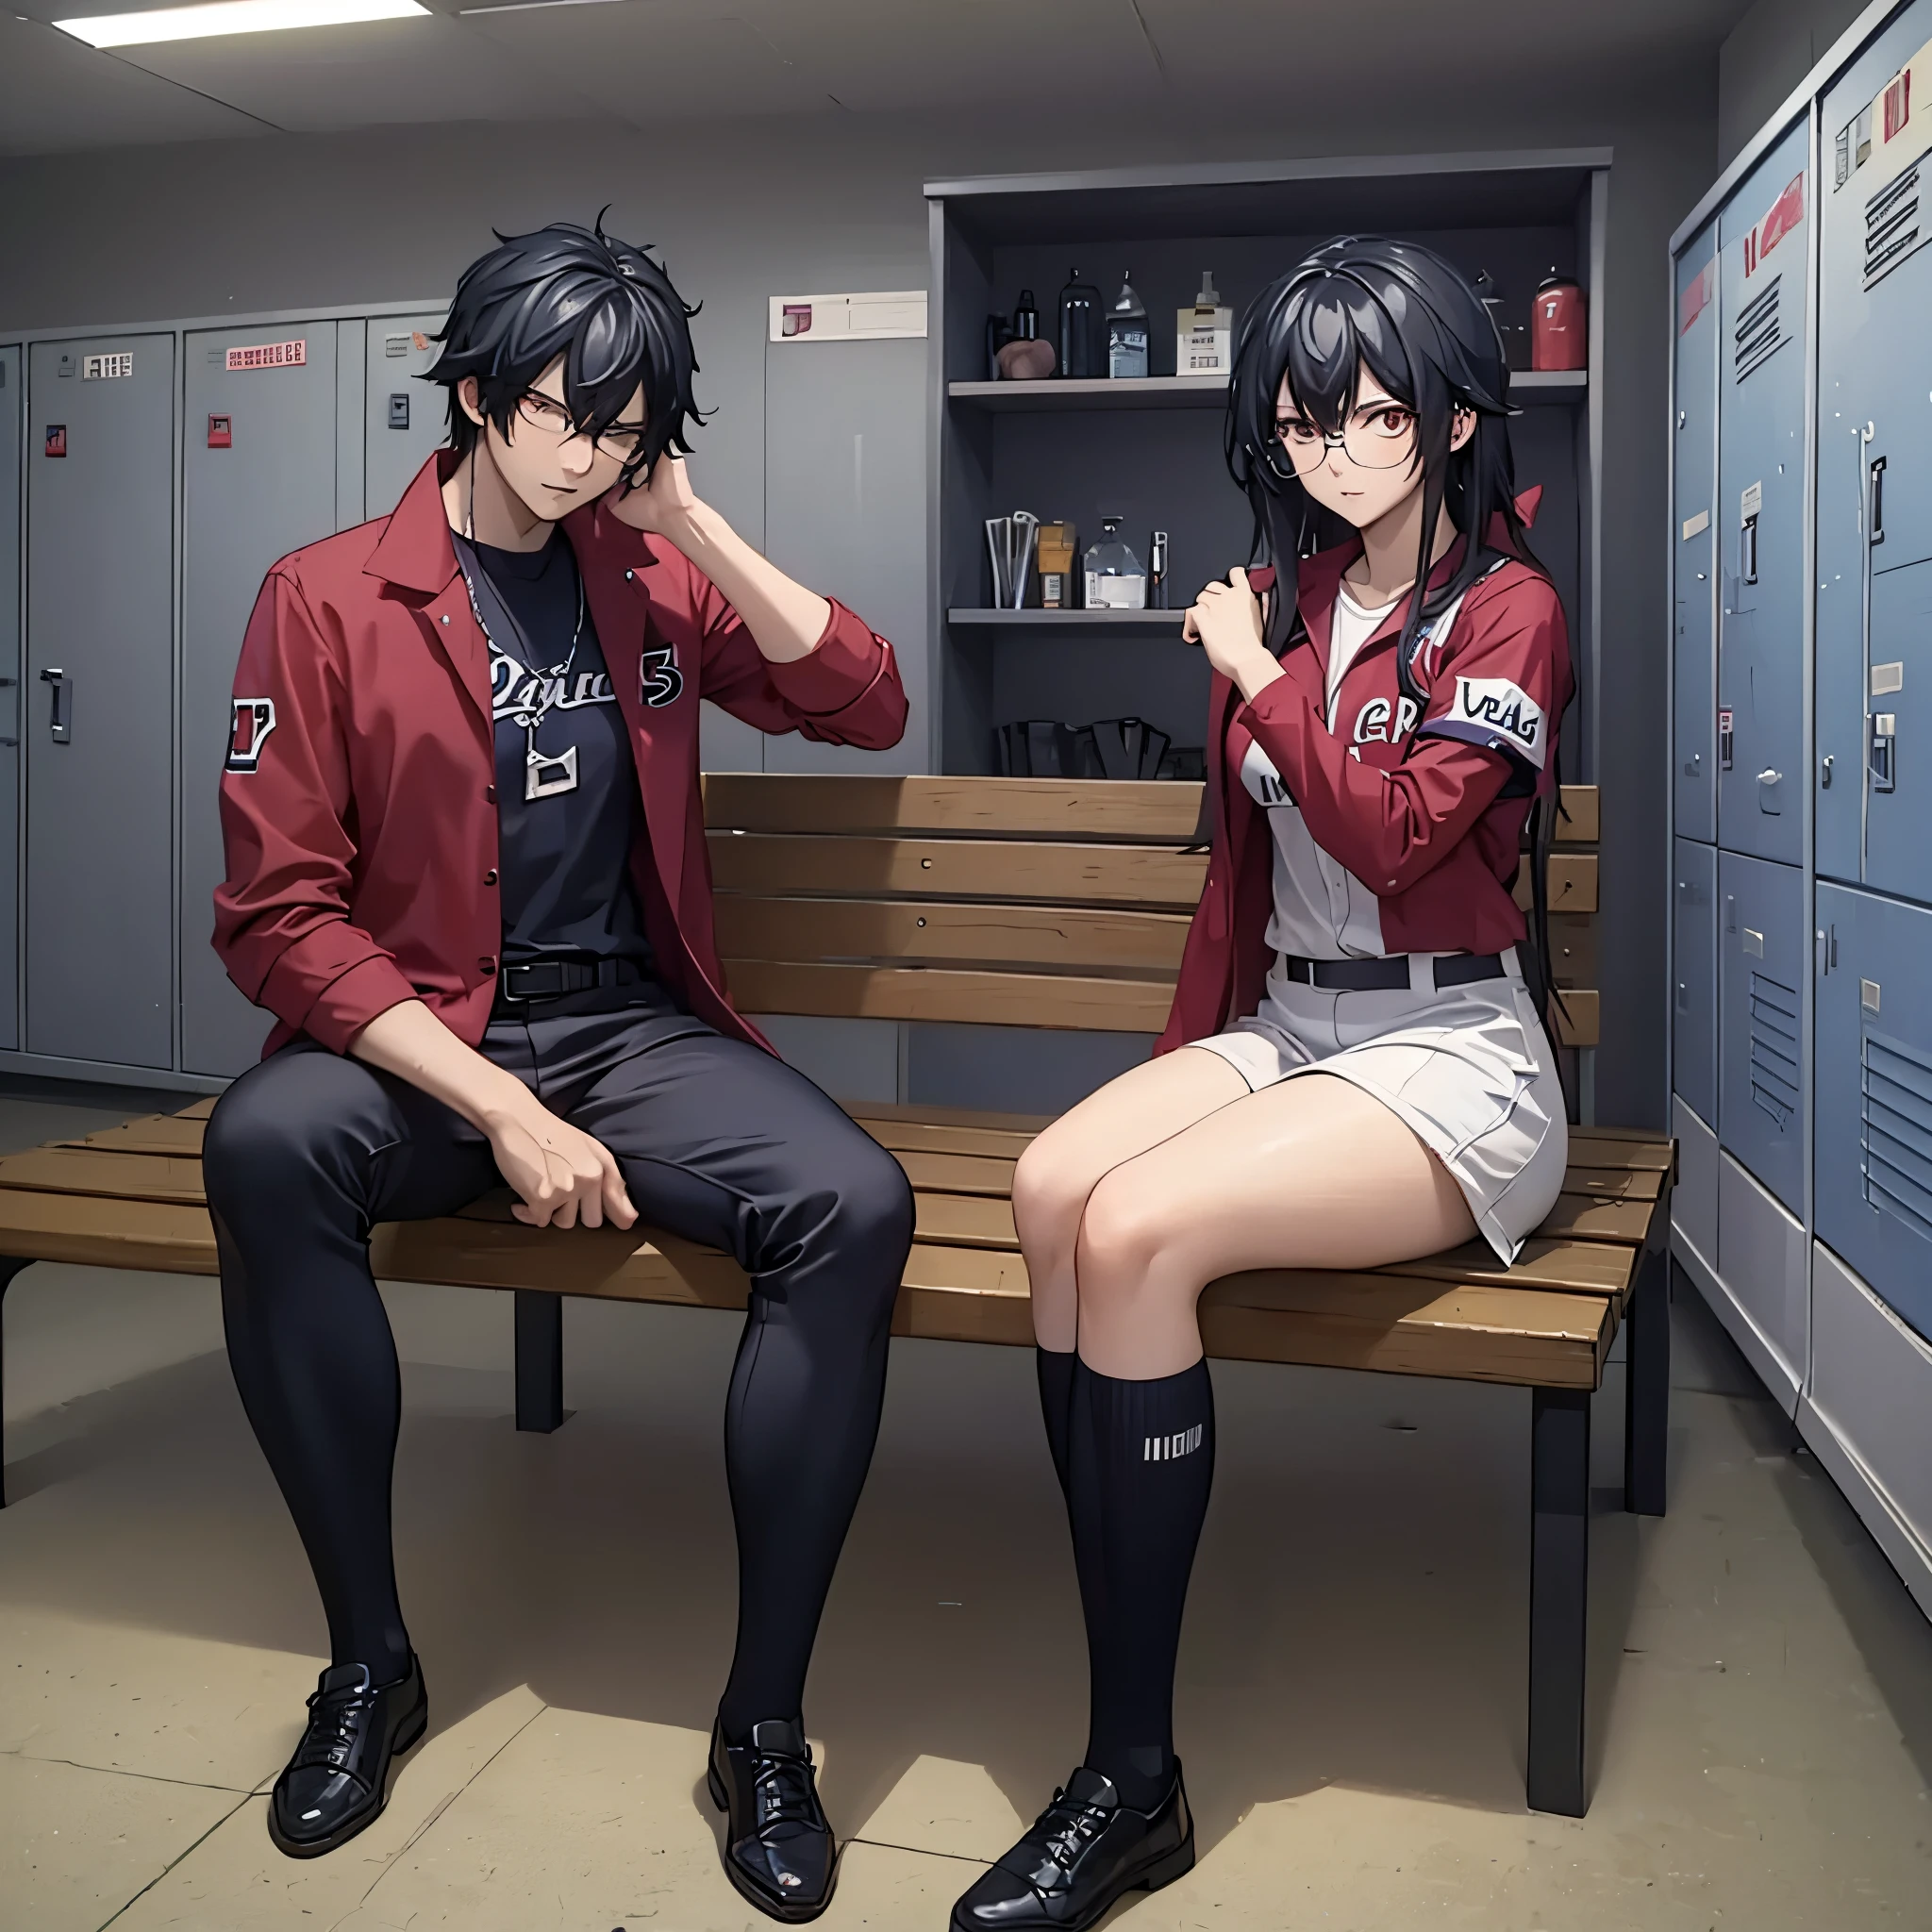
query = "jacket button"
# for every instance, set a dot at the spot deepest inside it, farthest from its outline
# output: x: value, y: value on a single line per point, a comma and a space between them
x: 486, y: 963
x: 490, y: 876
x: 630, y: 576
x: 489, y: 794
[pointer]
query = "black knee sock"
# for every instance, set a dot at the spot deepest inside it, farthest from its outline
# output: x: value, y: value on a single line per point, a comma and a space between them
x: 800, y: 1424
x: 1140, y: 1468
x: 309, y: 1342
x: 1055, y: 1371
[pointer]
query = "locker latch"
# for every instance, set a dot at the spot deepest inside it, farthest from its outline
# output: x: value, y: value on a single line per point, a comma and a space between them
x: 1825, y: 773
x: 60, y: 720
x: 1884, y: 760
x: 1747, y: 550
x: 1725, y: 740
x: 1877, y: 500
x: 1768, y: 782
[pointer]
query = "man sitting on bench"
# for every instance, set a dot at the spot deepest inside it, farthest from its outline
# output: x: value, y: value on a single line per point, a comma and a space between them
x: 467, y: 873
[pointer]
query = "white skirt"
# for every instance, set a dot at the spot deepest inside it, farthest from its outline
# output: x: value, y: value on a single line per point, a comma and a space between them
x: 1469, y: 1070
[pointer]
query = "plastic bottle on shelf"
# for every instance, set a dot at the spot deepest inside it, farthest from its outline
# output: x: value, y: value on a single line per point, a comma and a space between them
x: 1115, y: 579
x: 1083, y: 330
x: 1203, y: 334
x: 1559, y: 335
x: 1127, y: 334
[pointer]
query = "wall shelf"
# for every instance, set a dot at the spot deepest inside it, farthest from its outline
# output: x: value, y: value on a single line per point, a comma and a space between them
x: 1085, y: 622
x: 1528, y: 387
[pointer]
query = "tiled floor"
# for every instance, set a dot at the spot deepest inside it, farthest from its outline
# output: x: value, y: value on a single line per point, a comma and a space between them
x: 1352, y: 1695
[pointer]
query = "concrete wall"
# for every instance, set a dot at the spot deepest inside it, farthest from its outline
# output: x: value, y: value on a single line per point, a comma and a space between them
x: 1769, y: 52
x: 743, y: 211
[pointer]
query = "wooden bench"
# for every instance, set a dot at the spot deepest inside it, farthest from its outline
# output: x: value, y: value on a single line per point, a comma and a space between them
x: 1041, y: 903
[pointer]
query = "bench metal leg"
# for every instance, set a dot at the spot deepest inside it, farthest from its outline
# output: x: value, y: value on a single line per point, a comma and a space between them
x: 11, y: 1265
x: 1558, y: 1597
x: 540, y: 1360
x: 1647, y: 1385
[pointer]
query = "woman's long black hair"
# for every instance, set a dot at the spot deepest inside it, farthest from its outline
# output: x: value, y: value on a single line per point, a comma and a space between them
x: 1402, y: 313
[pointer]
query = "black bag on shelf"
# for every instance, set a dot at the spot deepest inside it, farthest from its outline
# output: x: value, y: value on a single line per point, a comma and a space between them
x: 1128, y: 747
x: 1112, y: 748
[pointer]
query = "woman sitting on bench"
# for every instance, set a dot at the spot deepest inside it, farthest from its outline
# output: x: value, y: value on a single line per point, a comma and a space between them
x: 1369, y: 1080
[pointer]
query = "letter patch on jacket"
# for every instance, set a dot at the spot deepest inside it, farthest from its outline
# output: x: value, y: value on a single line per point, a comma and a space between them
x: 1507, y: 716
x: 659, y: 680
x: 250, y: 721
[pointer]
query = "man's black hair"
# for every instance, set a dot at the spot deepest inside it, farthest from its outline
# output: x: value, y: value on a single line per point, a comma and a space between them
x: 601, y: 304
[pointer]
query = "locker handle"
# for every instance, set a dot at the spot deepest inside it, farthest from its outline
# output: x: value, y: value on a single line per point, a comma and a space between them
x: 1747, y: 551
x: 1878, y: 499
x: 1882, y: 759
x: 59, y: 721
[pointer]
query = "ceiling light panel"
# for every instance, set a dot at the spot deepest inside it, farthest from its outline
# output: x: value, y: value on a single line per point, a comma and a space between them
x: 230, y: 17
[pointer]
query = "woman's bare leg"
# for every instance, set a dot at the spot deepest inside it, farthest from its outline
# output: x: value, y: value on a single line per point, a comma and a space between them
x: 1142, y: 1109
x: 1310, y: 1174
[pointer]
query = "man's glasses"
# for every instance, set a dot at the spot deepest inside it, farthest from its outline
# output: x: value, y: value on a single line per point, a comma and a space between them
x: 1380, y: 436
x: 545, y: 414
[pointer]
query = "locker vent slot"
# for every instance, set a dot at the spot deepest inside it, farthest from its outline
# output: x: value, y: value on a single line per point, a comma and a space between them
x: 1757, y: 335
x: 1896, y: 1118
x: 1891, y: 224
x: 1773, y: 1048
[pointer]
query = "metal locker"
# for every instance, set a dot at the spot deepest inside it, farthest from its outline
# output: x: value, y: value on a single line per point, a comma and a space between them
x: 1875, y: 460
x: 1694, y: 457
x: 398, y: 441
x: 259, y: 481
x: 1694, y: 1031
x: 1764, y: 236
x: 1763, y: 1088
x: 1873, y: 1161
x: 99, y: 674
x: 12, y: 425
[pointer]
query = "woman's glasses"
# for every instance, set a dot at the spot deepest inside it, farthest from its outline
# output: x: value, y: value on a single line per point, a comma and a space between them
x: 1379, y: 436
x: 546, y: 414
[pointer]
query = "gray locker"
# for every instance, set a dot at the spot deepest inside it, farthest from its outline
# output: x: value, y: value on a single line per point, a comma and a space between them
x: 1693, y: 1032
x: 12, y: 425
x: 1874, y: 1094
x: 1763, y: 236
x: 259, y: 476
x: 398, y: 441
x: 1874, y: 468
x: 99, y: 720
x: 1763, y: 1084
x: 1694, y: 455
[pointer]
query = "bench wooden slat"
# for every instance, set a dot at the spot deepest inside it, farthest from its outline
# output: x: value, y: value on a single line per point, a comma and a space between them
x: 785, y: 865
x: 939, y: 1137
x: 964, y: 1220
x: 1561, y: 1265
x: 957, y: 1173
x: 1057, y: 937
x: 974, y: 807
x: 1572, y: 883
x: 1026, y: 1124
x: 1610, y: 1183
x: 941, y: 994
x: 102, y: 1172
x: 156, y: 1133
x: 1620, y: 1148
x: 1586, y: 1216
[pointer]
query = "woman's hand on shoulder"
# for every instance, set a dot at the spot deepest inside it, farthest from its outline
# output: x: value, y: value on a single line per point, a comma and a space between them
x: 1226, y: 621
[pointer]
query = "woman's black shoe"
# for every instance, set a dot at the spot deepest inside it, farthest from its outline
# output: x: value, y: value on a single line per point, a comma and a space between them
x: 1085, y: 1851
x: 338, y: 1780
x: 778, y: 1849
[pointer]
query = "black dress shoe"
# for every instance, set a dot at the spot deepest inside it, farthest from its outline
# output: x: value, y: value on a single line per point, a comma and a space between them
x: 1085, y: 1850
x: 778, y: 1849
x: 338, y: 1780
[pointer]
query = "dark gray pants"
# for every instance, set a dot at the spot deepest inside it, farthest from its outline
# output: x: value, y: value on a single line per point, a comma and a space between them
x: 717, y: 1141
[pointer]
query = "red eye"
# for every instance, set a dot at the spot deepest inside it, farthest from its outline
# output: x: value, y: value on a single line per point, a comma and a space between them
x: 1391, y: 422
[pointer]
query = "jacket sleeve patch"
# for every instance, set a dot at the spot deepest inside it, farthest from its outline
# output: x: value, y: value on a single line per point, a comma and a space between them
x: 250, y: 721
x: 1498, y: 713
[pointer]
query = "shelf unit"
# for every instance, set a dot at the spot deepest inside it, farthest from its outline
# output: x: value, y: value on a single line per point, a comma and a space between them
x: 1150, y: 449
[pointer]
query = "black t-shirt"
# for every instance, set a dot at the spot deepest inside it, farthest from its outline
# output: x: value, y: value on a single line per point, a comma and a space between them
x: 566, y: 883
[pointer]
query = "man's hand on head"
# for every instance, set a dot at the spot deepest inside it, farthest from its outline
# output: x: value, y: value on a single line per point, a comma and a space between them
x: 662, y: 505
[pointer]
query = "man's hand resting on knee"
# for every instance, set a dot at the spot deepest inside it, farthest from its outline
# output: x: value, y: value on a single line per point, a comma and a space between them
x: 561, y: 1173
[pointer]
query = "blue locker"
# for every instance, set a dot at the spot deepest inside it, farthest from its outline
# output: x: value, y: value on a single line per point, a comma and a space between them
x: 1874, y: 464
x: 1694, y: 1031
x: 1763, y: 237
x: 1694, y: 456
x: 1763, y: 1088
x: 1874, y: 1095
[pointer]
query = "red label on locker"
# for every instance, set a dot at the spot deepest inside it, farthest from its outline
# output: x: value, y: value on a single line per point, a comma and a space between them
x: 1787, y: 213
x: 1898, y: 105
x: 1696, y: 297
x: 57, y: 439
x: 270, y: 355
x: 221, y: 433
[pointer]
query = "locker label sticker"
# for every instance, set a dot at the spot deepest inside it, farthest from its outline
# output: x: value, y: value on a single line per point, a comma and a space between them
x: 1784, y: 214
x: 1868, y: 995
x: 221, y: 432
x: 1754, y: 943
x: 1886, y: 678
x: 1695, y: 526
x: 57, y: 439
x: 1697, y: 297
x: 107, y: 368
x: 250, y: 721
x: 270, y: 355
x: 1751, y: 503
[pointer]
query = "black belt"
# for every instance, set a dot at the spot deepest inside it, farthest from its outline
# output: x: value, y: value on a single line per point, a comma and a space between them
x: 537, y: 980
x: 1388, y: 975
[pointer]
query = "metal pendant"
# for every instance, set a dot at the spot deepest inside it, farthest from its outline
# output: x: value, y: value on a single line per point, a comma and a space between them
x: 545, y: 777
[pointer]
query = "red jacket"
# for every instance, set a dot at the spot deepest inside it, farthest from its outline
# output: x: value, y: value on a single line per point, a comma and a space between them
x: 1411, y: 804
x: 359, y: 807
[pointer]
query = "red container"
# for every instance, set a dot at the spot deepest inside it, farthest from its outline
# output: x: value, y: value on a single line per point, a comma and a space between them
x: 1558, y: 325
